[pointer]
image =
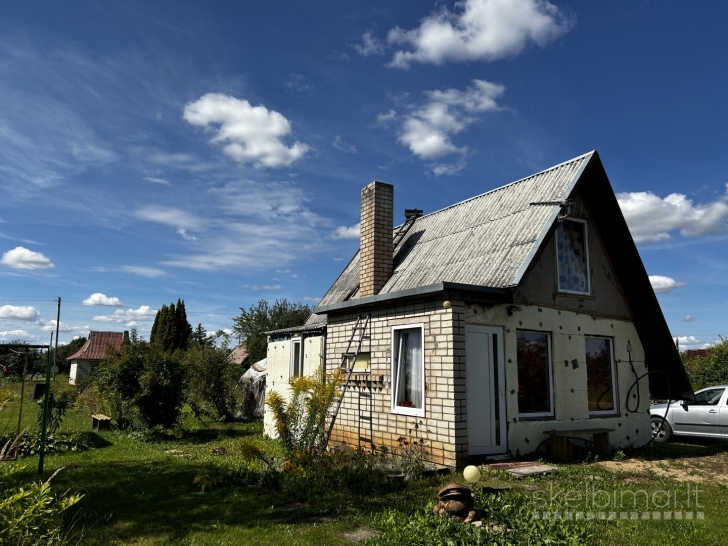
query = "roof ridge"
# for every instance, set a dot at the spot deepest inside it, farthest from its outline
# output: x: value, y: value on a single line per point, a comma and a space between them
x: 554, y: 167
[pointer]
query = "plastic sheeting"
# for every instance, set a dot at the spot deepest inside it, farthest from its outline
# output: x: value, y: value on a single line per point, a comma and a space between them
x: 253, y: 384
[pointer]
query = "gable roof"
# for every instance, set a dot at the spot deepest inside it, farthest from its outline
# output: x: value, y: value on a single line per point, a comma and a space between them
x: 97, y: 345
x: 487, y: 240
x: 492, y: 240
x: 238, y: 355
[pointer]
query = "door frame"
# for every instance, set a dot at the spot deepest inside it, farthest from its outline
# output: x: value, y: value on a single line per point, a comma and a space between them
x: 499, y: 389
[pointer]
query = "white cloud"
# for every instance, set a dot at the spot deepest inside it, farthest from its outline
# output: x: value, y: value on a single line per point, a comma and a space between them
x: 98, y: 298
x: 22, y: 258
x: 338, y: 56
x: 186, y: 236
x: 155, y: 180
x: 309, y: 298
x: 371, y: 45
x: 688, y: 318
x: 13, y: 335
x: 143, y: 314
x: 479, y: 30
x: 344, y: 232
x: 249, y: 134
x: 427, y: 129
x: 19, y: 312
x: 169, y: 216
x: 342, y: 146
x: 664, y: 284
x: 261, y: 287
x: 384, y: 119
x: 686, y: 342
x: 50, y: 326
x: 143, y: 271
x: 652, y: 219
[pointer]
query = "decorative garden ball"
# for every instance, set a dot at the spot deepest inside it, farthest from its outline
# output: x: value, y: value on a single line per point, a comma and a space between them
x: 471, y: 474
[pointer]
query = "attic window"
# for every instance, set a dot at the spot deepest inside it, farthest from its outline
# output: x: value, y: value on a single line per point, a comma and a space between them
x: 572, y: 257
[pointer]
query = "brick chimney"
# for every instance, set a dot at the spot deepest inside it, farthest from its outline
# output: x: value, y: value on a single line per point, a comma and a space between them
x: 375, y: 248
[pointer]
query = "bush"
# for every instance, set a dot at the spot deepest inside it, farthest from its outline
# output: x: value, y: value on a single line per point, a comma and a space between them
x: 711, y: 369
x: 212, y: 381
x: 142, y: 385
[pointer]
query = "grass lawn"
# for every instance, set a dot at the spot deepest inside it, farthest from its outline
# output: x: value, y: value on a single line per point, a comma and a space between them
x: 141, y: 492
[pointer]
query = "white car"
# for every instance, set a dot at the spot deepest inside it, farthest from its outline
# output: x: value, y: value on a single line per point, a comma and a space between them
x: 705, y: 417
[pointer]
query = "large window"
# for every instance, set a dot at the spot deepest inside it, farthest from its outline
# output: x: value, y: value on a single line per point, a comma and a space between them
x: 572, y: 257
x: 600, y: 375
x: 535, y: 384
x: 408, y: 370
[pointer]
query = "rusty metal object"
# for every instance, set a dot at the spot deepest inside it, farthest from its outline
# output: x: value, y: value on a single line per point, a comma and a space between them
x: 457, y: 501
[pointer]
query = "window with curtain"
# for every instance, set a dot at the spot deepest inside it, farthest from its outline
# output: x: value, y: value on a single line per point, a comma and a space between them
x: 408, y: 371
x: 533, y: 357
x: 572, y: 257
x: 600, y: 374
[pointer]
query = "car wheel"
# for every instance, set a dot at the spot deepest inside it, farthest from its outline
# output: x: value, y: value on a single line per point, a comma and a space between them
x: 661, y: 430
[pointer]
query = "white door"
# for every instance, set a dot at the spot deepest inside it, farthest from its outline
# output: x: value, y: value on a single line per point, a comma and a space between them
x: 485, y: 384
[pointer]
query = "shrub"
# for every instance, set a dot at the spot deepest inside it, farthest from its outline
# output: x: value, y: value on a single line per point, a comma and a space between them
x: 142, y: 385
x: 90, y: 401
x: 301, y: 423
x: 212, y: 380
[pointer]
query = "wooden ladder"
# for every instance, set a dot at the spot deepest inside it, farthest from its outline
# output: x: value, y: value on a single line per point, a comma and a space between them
x: 348, y: 361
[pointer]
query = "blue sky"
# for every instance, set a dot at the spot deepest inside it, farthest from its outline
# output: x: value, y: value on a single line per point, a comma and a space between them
x: 215, y: 152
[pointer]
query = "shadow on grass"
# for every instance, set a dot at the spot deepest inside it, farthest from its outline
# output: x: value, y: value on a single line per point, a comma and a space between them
x: 218, y: 432
x: 155, y: 500
x: 687, y: 447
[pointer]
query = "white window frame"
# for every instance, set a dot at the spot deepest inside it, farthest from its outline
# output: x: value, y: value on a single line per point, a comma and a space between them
x: 415, y: 412
x: 588, y: 259
x: 615, y: 399
x: 551, y: 375
x: 296, y: 341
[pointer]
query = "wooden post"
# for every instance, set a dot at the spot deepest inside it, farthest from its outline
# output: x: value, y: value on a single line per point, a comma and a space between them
x: 558, y: 448
x: 601, y: 444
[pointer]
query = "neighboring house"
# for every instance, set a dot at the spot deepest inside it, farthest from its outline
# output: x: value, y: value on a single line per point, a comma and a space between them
x: 92, y: 352
x: 524, y: 309
x: 238, y: 355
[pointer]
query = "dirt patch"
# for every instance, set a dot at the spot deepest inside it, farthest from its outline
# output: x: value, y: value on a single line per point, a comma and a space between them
x: 707, y: 468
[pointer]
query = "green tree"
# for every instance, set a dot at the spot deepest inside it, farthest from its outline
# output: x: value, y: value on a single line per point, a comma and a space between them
x: 142, y: 384
x: 262, y: 317
x: 709, y: 369
x: 170, y: 330
x: 213, y: 380
x: 199, y: 337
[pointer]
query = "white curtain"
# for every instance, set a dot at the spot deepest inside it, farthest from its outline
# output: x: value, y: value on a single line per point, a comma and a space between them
x: 408, y: 390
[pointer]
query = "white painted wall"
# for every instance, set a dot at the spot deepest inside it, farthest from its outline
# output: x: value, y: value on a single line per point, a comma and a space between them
x: 80, y: 370
x: 279, y: 370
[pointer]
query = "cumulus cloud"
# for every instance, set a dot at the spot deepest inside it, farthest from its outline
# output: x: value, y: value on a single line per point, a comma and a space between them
x: 342, y: 146
x: 371, y: 45
x: 19, y: 312
x: 186, y: 236
x: 686, y: 342
x: 664, y: 284
x: 344, y: 232
x: 13, y: 335
x: 384, y: 119
x: 652, y: 219
x: 143, y: 314
x: 479, y: 30
x: 688, y: 318
x: 22, y: 258
x: 50, y: 326
x: 426, y: 131
x: 98, y: 298
x: 248, y: 134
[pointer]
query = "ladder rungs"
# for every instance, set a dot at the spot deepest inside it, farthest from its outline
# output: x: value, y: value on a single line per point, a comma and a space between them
x: 348, y: 354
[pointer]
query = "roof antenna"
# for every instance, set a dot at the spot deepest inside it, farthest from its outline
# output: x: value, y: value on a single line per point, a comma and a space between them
x: 565, y: 213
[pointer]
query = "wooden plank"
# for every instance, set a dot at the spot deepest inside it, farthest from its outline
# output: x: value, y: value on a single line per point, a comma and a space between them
x: 558, y: 448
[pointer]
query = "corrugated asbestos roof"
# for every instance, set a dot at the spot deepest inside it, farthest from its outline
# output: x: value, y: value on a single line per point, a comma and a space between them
x: 98, y: 344
x: 486, y: 240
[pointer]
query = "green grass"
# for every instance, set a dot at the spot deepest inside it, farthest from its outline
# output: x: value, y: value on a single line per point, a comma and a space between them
x: 143, y: 493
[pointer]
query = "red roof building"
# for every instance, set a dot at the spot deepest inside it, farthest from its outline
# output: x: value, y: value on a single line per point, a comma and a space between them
x: 95, y: 349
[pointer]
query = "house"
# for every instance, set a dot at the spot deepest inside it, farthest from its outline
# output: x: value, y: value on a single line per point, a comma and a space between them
x: 92, y: 352
x: 491, y: 321
x: 239, y: 355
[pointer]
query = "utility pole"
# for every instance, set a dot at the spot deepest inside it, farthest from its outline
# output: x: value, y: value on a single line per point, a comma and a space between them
x: 41, y: 455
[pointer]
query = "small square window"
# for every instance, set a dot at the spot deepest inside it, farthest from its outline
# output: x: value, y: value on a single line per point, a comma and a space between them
x: 572, y: 257
x: 408, y: 371
x: 535, y: 384
x: 600, y: 375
